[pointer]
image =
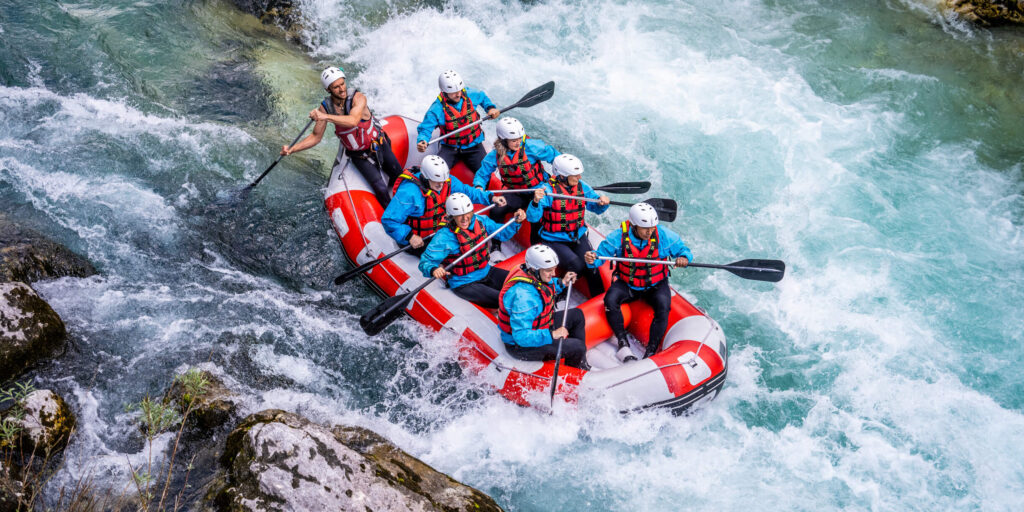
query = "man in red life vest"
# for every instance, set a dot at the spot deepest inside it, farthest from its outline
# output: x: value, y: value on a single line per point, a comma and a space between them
x: 364, y: 140
x: 642, y: 238
x: 454, y: 108
x: 529, y: 325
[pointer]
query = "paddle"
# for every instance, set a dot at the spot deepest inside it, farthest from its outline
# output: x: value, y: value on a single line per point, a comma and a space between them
x: 666, y: 208
x: 771, y: 271
x: 365, y: 267
x: 534, y: 97
x: 558, y: 353
x: 241, y: 194
x: 386, y: 312
x: 625, y: 187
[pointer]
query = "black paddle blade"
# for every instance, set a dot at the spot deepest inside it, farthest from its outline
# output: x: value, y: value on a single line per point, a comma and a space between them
x: 667, y: 208
x: 626, y: 187
x: 771, y: 271
x: 538, y: 95
x: 375, y: 320
x: 347, y: 276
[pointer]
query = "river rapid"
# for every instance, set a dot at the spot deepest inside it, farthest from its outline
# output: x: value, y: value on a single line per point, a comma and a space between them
x: 873, y: 146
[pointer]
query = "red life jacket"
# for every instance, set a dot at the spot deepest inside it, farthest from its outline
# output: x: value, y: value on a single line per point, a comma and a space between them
x: 640, y: 275
x: 455, y: 119
x: 564, y: 215
x: 480, y: 258
x: 360, y: 137
x: 516, y: 171
x: 547, y: 296
x: 433, y: 203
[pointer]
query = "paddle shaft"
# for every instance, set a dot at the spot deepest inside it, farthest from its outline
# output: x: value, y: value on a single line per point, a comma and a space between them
x: 449, y: 266
x: 299, y: 136
x: 482, y: 119
x: 673, y: 262
x: 632, y: 188
x: 370, y: 264
x: 558, y: 353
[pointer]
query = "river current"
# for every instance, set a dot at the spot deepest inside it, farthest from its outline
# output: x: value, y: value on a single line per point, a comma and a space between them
x: 873, y: 146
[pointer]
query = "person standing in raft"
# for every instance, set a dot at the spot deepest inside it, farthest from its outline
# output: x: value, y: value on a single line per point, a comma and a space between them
x: 561, y: 224
x: 517, y: 160
x: 454, y: 108
x: 529, y: 325
x: 418, y: 208
x: 473, y: 278
x: 364, y: 140
x: 640, y: 237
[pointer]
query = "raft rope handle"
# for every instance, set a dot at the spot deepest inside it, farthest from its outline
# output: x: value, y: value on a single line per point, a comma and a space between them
x: 352, y: 203
x: 657, y: 368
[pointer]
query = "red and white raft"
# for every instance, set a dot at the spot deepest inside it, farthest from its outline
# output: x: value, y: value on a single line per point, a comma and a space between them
x: 689, y: 369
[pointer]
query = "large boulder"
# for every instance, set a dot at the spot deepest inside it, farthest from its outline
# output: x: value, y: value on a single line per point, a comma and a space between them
x: 28, y: 256
x: 44, y: 420
x: 989, y: 13
x: 29, y: 329
x: 277, y: 461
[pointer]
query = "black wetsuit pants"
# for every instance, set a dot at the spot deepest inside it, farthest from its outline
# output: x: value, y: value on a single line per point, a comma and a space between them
x: 471, y: 156
x: 371, y: 163
x: 574, y: 348
x: 570, y: 257
x: 658, y: 296
x: 484, y: 293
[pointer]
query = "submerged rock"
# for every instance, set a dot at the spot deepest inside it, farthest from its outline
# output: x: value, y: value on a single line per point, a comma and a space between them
x: 276, y: 460
x: 28, y: 256
x: 283, y: 13
x: 988, y: 13
x: 29, y: 329
x: 45, y: 422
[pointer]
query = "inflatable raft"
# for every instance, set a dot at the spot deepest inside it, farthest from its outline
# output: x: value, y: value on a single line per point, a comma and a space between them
x: 689, y: 369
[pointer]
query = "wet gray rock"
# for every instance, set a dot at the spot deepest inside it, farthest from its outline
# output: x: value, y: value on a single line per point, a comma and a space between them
x: 28, y: 256
x: 44, y: 420
x: 988, y: 13
x: 30, y: 329
x: 215, y: 406
x: 276, y: 460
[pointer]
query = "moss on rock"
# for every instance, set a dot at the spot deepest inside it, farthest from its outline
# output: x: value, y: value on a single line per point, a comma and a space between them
x: 988, y: 13
x: 29, y: 329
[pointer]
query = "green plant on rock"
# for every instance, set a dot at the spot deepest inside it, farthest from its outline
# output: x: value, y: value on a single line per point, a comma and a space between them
x: 10, y: 425
x: 194, y: 384
x: 158, y: 416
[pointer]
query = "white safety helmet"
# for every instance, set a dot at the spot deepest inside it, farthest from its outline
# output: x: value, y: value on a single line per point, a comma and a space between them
x: 567, y: 165
x: 434, y: 168
x: 541, y: 256
x: 510, y: 128
x: 458, y: 204
x: 450, y: 81
x: 331, y: 75
x: 643, y: 215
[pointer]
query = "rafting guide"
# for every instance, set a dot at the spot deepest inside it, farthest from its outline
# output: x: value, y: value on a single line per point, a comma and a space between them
x: 365, y: 142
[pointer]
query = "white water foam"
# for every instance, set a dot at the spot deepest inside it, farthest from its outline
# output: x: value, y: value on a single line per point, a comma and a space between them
x: 762, y: 165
